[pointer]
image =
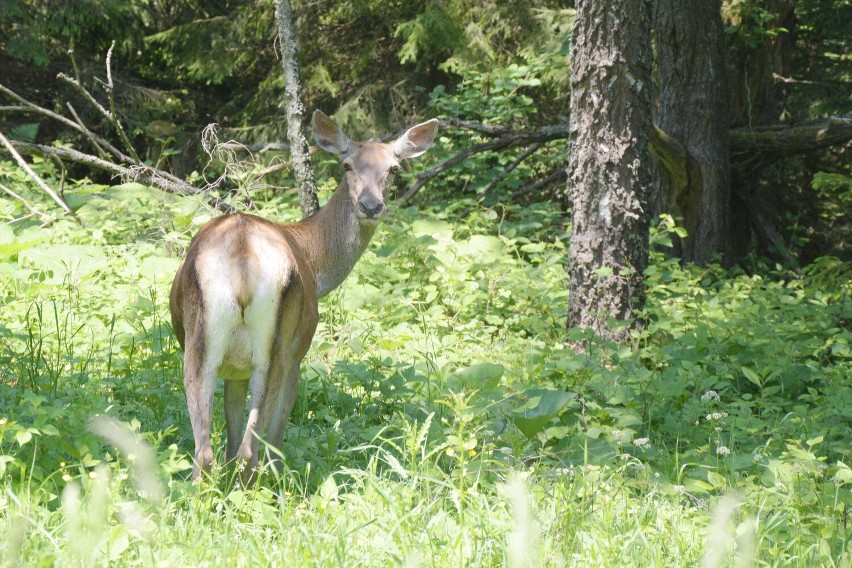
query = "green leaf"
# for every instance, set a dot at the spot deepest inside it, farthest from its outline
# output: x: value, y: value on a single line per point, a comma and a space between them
x: 482, y: 248
x: 547, y: 404
x: 479, y: 376
x: 752, y: 376
x: 329, y: 490
x: 25, y: 132
x: 23, y: 436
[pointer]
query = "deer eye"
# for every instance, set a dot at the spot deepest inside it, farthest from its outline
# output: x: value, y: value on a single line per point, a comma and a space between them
x: 347, y: 166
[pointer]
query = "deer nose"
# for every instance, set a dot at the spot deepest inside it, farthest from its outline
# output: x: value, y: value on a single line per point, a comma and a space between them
x: 371, y: 207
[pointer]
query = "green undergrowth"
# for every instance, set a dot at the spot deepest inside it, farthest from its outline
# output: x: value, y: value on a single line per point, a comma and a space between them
x: 445, y: 418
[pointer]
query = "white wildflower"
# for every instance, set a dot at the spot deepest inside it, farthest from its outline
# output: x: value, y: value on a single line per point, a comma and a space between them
x: 679, y: 489
x: 710, y: 395
x: 643, y: 443
x: 723, y: 451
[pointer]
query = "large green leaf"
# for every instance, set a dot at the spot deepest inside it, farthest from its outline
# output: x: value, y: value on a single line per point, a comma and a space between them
x: 480, y: 376
x: 546, y: 405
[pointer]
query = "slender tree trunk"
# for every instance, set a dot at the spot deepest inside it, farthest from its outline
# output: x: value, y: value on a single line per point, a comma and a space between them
x: 608, y: 162
x: 693, y: 109
x: 295, y: 110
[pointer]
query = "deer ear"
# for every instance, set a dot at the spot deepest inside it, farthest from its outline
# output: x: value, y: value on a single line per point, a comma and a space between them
x: 328, y: 135
x: 416, y: 140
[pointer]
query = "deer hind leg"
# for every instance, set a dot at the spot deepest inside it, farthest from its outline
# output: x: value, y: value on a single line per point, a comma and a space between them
x: 200, y: 385
x: 263, y: 319
x: 284, y: 406
x: 235, y: 414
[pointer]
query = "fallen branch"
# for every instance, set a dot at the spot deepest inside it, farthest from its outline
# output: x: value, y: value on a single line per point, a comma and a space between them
x: 144, y: 174
x: 39, y: 182
x: 27, y: 106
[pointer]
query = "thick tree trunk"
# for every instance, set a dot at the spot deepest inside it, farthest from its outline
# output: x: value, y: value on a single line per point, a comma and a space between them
x: 693, y: 109
x: 302, y: 170
x: 608, y: 162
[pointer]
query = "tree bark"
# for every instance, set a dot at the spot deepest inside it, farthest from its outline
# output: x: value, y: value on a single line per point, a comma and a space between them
x: 608, y: 162
x: 295, y: 110
x: 693, y: 109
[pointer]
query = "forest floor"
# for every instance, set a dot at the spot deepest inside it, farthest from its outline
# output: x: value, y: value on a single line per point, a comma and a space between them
x: 444, y: 419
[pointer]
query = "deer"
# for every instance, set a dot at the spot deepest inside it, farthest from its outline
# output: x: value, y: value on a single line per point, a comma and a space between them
x: 244, y: 301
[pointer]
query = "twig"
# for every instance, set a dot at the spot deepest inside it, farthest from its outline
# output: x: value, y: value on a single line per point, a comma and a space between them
x: 506, y: 140
x: 551, y: 178
x: 26, y: 167
x: 26, y: 203
x: 113, y: 115
x: 498, y: 178
x: 423, y: 177
x: 86, y: 132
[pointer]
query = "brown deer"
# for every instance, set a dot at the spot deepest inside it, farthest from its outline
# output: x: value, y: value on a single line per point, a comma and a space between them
x: 244, y: 301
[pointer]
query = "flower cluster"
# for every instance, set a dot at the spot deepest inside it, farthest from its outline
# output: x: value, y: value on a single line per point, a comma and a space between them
x: 710, y: 395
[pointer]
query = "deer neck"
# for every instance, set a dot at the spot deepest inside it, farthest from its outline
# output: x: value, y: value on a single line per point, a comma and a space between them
x: 333, y: 239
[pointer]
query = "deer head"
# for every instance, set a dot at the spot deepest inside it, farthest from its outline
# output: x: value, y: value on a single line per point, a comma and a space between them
x: 370, y: 167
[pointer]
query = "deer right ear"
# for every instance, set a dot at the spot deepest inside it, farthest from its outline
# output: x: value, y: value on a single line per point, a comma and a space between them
x: 328, y: 135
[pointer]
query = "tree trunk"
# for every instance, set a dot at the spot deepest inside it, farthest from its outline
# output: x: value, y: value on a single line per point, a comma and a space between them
x: 608, y: 162
x: 693, y: 109
x: 758, y: 98
x: 302, y: 170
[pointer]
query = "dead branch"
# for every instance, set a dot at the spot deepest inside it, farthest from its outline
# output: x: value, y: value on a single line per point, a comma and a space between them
x: 509, y: 139
x: 752, y: 145
x: 32, y: 107
x: 26, y: 167
x: 111, y: 115
x: 144, y: 174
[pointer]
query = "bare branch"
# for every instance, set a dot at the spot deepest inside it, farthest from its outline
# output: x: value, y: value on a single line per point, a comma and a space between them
x: 27, y: 106
x: 144, y: 174
x: 26, y: 167
x: 549, y: 179
x: 113, y: 116
x: 86, y: 132
x: 507, y: 140
x: 498, y: 178
x: 26, y: 203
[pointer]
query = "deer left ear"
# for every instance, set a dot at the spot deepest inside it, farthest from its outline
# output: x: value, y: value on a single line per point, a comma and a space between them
x: 416, y: 140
